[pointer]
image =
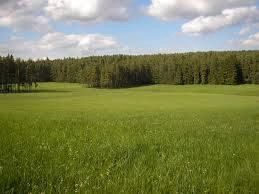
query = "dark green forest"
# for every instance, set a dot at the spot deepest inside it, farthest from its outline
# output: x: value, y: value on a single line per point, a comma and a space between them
x: 120, y: 71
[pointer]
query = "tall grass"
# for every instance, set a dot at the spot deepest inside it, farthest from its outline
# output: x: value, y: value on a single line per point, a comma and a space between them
x: 156, y: 139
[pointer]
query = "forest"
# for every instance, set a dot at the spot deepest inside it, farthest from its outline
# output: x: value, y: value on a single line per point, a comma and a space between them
x: 122, y: 71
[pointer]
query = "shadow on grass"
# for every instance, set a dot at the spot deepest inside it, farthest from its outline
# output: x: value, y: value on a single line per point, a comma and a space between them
x: 36, y: 91
x: 50, y: 91
x: 120, y: 88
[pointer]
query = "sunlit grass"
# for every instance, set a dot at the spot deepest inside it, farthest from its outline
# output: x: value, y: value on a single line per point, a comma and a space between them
x: 65, y: 138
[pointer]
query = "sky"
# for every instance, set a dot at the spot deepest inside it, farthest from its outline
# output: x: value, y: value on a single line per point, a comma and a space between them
x: 79, y: 28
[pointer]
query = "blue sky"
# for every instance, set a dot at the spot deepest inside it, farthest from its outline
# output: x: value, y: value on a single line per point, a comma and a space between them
x: 63, y: 28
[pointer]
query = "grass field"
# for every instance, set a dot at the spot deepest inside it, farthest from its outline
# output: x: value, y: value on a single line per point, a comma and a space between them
x: 65, y: 138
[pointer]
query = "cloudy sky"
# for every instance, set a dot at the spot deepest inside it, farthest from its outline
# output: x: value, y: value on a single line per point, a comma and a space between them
x: 63, y: 28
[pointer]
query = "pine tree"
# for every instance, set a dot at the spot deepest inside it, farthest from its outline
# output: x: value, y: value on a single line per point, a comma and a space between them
x: 179, y: 76
x: 230, y: 73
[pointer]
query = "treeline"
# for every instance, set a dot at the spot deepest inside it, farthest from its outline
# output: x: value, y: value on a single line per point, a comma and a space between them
x: 231, y: 68
x: 190, y: 68
x: 16, y: 75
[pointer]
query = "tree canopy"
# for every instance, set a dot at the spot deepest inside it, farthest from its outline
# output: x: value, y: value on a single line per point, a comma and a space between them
x: 118, y: 71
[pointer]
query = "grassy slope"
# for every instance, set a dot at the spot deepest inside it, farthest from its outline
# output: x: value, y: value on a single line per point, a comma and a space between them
x: 149, y: 139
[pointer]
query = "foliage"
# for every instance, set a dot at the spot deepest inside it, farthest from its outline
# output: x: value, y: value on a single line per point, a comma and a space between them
x: 122, y: 71
x: 119, y: 71
x: 18, y: 75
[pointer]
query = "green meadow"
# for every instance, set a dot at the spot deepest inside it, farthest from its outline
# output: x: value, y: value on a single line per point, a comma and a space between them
x: 65, y: 138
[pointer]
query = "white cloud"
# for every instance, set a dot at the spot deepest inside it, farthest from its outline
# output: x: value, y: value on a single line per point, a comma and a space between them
x: 59, y: 45
x: 88, y: 10
x: 245, y: 30
x: 174, y: 9
x: 251, y: 42
x: 206, y: 15
x: 23, y: 14
x: 86, y: 43
x: 228, y: 17
x: 35, y: 15
x: 249, y: 28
